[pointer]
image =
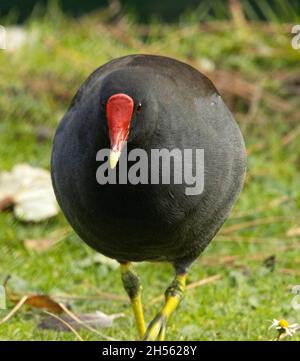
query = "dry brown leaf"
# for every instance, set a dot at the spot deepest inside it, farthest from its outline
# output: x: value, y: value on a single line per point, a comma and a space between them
x: 43, y: 301
x: 38, y: 301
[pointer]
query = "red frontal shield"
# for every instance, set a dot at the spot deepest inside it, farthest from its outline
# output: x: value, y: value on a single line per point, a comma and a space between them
x: 119, y: 109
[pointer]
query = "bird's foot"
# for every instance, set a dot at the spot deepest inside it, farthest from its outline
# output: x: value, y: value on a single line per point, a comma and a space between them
x: 157, y: 328
x: 174, y: 294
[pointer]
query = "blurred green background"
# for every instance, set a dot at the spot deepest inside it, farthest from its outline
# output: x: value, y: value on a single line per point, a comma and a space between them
x: 249, y: 270
x: 167, y: 11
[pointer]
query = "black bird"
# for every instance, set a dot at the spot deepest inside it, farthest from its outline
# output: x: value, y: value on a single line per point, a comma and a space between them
x: 151, y: 103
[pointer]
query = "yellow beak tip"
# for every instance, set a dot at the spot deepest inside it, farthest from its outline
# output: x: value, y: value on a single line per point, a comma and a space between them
x: 114, y: 158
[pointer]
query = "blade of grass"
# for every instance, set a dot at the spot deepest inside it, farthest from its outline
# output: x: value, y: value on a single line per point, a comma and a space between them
x: 15, y: 309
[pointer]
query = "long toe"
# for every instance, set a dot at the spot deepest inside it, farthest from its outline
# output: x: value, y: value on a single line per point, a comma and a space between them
x: 156, y: 329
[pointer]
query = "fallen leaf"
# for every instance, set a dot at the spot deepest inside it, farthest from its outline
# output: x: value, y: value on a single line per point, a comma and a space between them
x: 33, y: 299
x: 30, y: 190
x: 97, y: 319
x: 43, y: 301
x: 39, y: 301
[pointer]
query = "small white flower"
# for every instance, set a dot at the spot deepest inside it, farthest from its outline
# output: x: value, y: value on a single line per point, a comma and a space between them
x: 282, y: 326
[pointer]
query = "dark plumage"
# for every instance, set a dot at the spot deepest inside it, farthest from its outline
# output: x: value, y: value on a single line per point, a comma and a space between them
x: 180, y: 108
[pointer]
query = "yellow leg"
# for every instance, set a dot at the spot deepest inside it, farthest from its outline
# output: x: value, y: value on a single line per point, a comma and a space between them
x: 174, y: 294
x: 133, y: 288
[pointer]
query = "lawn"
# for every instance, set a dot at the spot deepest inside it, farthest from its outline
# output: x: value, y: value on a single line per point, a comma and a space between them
x: 250, y: 268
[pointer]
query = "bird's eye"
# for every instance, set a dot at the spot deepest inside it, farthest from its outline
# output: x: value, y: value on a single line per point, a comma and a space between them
x: 139, y: 107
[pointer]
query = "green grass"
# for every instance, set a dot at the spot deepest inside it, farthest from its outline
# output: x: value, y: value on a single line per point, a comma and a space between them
x: 36, y: 86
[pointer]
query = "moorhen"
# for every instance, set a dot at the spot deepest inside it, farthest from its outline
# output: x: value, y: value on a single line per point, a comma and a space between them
x: 145, y: 103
